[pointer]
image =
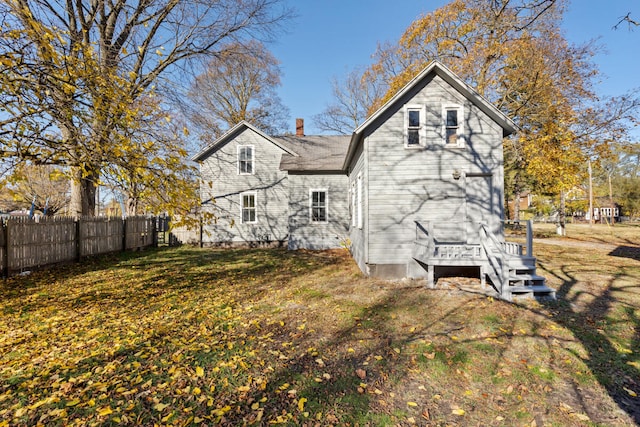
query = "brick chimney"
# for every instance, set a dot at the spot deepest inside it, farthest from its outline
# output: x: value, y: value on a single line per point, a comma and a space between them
x: 299, y: 127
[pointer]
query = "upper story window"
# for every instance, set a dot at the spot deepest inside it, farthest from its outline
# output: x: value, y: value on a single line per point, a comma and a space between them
x: 319, y: 205
x: 414, y: 128
x: 245, y: 159
x: 453, y: 125
x: 248, y: 208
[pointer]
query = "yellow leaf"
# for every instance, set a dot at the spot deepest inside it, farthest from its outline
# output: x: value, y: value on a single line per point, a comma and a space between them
x: 255, y: 406
x: 199, y: 371
x: 301, y: 403
x: 73, y: 402
x: 197, y: 391
x: 160, y: 407
x: 458, y: 411
x: 105, y: 411
x: 412, y: 404
x: 631, y: 392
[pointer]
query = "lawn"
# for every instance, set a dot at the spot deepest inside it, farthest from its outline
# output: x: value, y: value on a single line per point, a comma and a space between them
x: 187, y: 336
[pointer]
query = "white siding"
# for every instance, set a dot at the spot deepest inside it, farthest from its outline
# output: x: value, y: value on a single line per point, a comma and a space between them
x: 222, y: 186
x: 357, y: 234
x: 409, y: 184
x: 307, y: 234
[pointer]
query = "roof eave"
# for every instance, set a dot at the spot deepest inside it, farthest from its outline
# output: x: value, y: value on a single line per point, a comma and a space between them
x: 218, y: 143
x: 508, y: 126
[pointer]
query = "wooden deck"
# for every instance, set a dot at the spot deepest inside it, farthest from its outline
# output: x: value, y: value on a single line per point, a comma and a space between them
x: 511, y: 272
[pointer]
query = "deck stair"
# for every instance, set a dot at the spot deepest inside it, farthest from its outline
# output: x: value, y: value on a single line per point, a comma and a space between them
x: 511, y: 273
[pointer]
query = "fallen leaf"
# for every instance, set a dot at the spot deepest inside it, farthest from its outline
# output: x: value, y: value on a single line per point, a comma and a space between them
x: 105, y: 411
x: 160, y: 407
x: 361, y: 373
x: 301, y: 403
x: 458, y: 411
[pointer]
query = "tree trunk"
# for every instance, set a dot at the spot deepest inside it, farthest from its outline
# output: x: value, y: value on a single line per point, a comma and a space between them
x: 560, y: 229
x: 516, y: 206
x: 83, y: 191
x: 132, y: 206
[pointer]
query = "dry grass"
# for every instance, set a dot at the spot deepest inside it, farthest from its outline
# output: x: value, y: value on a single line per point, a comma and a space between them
x: 251, y: 337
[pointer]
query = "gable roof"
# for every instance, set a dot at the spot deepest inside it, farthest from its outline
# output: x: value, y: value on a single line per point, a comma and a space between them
x: 508, y: 126
x: 315, y: 153
x: 232, y: 133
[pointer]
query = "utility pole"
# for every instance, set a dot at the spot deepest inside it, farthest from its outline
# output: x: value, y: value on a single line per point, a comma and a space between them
x: 590, y: 194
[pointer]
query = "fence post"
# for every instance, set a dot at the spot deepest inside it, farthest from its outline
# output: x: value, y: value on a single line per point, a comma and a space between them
x: 78, y: 238
x: 529, y: 239
x: 124, y: 234
x: 5, y: 258
x: 155, y: 232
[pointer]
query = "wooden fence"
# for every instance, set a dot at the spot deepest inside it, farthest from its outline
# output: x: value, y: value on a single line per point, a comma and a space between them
x: 31, y: 243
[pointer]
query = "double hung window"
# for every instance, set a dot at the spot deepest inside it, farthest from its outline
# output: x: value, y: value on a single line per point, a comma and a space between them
x: 248, y: 208
x: 319, y: 203
x: 453, y: 125
x: 245, y: 159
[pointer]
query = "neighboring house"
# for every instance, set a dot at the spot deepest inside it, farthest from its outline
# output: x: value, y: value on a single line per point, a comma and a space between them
x: 430, y: 161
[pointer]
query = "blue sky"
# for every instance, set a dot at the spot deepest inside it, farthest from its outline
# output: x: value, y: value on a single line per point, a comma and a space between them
x: 331, y: 37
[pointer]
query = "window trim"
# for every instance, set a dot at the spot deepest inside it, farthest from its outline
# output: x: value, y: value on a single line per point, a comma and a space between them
x: 255, y: 207
x: 326, y: 205
x: 460, y: 130
x: 359, y: 190
x: 253, y: 158
x: 422, y: 128
x: 354, y: 204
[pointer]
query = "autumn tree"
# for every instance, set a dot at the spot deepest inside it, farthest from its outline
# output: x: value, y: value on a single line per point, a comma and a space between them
x: 153, y: 177
x: 352, y: 99
x: 514, y: 53
x: 71, y: 73
x: 240, y: 83
x: 45, y: 186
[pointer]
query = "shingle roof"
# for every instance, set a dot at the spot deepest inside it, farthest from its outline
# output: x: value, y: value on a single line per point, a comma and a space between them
x: 315, y: 152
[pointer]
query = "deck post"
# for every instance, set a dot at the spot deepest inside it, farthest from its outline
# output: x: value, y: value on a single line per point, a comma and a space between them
x: 430, y: 276
x: 529, y: 239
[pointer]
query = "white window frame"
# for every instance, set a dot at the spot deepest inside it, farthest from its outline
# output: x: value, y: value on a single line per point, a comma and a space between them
x: 325, y: 207
x: 360, y: 202
x: 253, y: 158
x: 422, y: 128
x: 460, y: 130
x: 354, y: 204
x: 255, y: 207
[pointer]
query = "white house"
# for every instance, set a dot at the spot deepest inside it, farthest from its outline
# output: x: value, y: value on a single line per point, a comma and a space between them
x: 419, y: 182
